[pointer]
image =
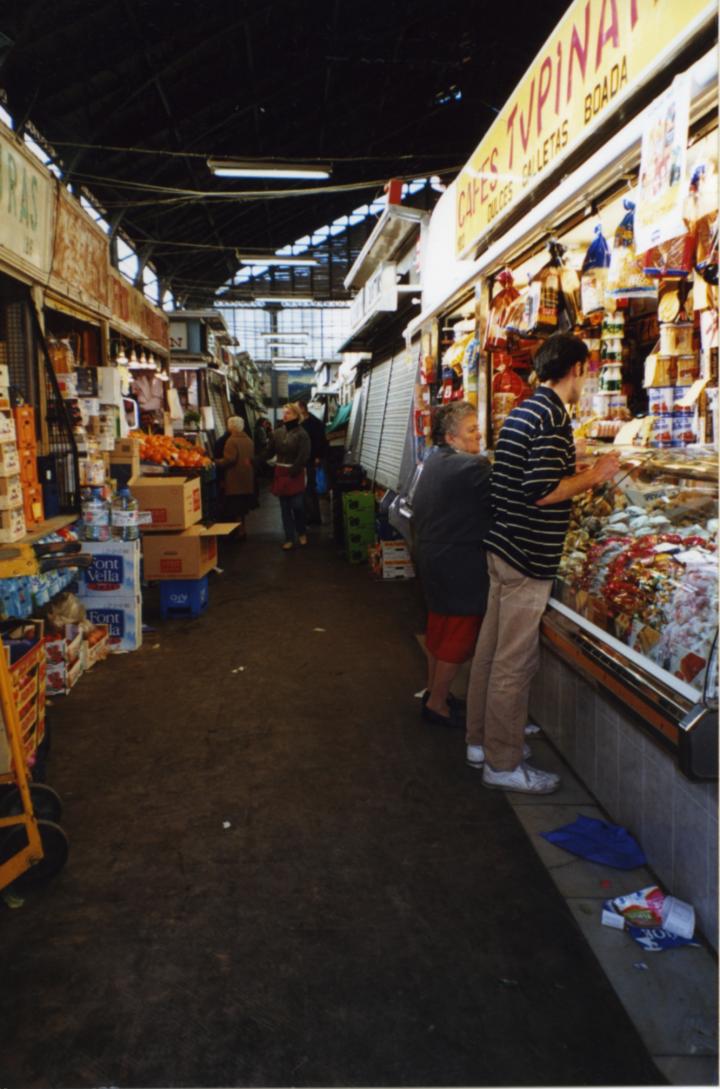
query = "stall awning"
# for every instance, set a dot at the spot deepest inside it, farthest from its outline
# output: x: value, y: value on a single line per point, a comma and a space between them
x: 340, y: 419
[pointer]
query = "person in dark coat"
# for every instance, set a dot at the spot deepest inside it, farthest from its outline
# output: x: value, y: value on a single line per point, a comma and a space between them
x: 290, y: 446
x: 451, y: 516
x: 236, y: 463
x: 316, y: 431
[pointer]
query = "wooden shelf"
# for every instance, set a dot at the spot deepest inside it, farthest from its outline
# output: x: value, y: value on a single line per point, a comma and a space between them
x: 52, y: 525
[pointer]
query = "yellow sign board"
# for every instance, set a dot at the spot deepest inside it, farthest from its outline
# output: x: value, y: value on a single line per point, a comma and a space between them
x: 600, y: 52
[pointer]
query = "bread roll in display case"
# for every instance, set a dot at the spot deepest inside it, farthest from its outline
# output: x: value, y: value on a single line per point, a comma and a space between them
x: 636, y: 598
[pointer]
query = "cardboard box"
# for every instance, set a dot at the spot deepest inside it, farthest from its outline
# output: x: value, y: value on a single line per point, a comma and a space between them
x: 126, y: 452
x: 397, y: 569
x: 395, y: 550
x: 9, y: 460
x: 173, y: 501
x: 123, y: 617
x: 12, y: 525
x: 187, y: 555
x: 11, y: 492
x: 114, y: 572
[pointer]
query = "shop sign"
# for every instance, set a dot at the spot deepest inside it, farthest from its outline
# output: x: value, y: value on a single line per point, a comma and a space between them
x: 378, y: 294
x: 600, y: 53
x: 26, y: 200
x: 178, y: 336
x: 130, y: 307
x: 81, y: 254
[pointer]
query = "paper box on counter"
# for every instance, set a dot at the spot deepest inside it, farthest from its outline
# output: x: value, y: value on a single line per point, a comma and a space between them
x: 12, y: 525
x: 187, y: 555
x: 127, y: 452
x: 9, y: 460
x: 123, y: 617
x: 114, y: 572
x: 11, y: 493
x: 174, y: 502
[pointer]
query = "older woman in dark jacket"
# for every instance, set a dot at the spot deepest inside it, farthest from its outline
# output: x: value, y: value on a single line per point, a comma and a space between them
x: 239, y: 475
x: 290, y: 446
x: 451, y: 516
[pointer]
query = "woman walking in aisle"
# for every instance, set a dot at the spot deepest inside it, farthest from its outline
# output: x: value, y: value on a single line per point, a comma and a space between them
x: 290, y: 445
x: 236, y: 463
x: 451, y: 515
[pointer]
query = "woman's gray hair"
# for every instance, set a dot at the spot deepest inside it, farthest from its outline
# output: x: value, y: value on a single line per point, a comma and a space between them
x: 448, y: 418
x: 235, y: 423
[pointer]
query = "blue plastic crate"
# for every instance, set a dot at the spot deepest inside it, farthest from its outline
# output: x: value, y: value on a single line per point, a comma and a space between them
x: 183, y: 597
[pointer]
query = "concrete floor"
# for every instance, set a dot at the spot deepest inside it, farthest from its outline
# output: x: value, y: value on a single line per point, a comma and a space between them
x: 280, y: 876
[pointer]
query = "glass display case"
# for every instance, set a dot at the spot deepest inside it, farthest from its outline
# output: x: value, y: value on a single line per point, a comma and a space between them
x: 639, y: 574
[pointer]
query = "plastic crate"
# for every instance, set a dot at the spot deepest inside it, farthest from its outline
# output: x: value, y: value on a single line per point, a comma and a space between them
x: 357, y: 553
x: 183, y: 597
x: 359, y: 520
x: 354, y: 502
x: 359, y: 538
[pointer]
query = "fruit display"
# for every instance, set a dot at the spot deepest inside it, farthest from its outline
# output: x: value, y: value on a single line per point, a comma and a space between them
x: 173, y: 452
x: 640, y: 562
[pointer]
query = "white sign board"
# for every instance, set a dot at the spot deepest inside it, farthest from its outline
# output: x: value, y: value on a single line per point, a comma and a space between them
x: 26, y: 192
x: 178, y: 336
x: 378, y: 294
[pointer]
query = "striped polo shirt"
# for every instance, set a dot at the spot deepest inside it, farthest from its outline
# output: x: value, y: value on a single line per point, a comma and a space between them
x: 535, y: 451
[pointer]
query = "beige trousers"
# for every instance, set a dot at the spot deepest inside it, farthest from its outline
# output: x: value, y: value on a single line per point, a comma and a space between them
x: 506, y: 659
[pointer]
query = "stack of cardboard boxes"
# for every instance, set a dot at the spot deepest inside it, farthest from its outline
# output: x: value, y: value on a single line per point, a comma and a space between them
x: 27, y: 455
x: 12, y: 519
x: 111, y: 591
x: 178, y: 552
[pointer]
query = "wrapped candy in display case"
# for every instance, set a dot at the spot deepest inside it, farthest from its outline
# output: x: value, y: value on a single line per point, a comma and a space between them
x: 639, y: 573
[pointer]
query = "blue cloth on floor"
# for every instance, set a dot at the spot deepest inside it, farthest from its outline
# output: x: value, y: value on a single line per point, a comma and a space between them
x: 597, y: 841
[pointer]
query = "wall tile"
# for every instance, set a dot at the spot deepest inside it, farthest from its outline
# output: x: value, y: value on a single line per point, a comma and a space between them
x: 690, y: 849
x: 585, y: 736
x: 631, y: 773
x: 606, y: 757
x: 708, y: 912
x: 657, y: 823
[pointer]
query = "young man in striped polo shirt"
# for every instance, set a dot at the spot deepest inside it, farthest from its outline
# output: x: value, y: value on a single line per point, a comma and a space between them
x: 533, y: 481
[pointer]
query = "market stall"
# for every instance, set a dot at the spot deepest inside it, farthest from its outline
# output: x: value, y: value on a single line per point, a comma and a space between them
x: 591, y: 206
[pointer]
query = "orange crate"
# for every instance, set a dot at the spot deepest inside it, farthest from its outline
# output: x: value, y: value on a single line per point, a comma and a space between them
x: 33, y: 504
x: 25, y: 426
x: 28, y: 465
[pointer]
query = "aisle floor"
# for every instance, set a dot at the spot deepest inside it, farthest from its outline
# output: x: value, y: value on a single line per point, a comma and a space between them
x: 280, y: 877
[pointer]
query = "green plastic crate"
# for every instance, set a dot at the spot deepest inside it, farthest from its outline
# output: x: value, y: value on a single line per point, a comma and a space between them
x: 355, y: 502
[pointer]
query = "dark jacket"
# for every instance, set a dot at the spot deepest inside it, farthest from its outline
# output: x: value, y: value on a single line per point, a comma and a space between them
x: 316, y: 430
x: 237, y: 462
x: 291, y: 446
x: 451, y: 516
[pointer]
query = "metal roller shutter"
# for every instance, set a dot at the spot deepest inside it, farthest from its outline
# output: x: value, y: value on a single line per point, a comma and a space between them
x: 218, y: 402
x: 374, y: 416
x: 355, y: 424
x: 400, y: 399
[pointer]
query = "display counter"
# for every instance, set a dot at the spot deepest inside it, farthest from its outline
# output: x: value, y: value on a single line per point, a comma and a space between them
x: 638, y: 575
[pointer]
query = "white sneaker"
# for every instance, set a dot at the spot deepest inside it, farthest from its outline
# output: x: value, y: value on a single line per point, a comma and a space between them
x: 524, y: 779
x: 475, y: 755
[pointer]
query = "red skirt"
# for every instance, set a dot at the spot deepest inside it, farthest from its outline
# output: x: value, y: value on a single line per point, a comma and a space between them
x: 451, y: 638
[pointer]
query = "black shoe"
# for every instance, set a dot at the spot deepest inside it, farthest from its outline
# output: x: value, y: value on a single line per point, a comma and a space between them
x: 428, y: 715
x: 458, y: 707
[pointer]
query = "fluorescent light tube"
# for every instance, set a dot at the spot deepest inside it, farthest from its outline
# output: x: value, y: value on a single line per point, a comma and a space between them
x: 273, y: 259
x: 234, y: 168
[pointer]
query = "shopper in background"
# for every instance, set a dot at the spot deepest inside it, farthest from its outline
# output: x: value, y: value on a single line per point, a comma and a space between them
x: 290, y: 446
x: 236, y: 466
x: 316, y: 431
x: 451, y: 516
x: 533, y: 480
